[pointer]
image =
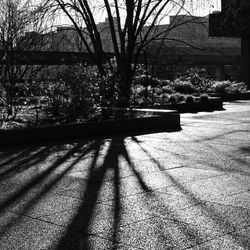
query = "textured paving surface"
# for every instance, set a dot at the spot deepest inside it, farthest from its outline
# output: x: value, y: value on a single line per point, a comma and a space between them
x: 177, y: 190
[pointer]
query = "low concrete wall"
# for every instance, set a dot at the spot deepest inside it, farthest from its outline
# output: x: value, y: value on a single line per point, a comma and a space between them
x: 210, y: 105
x: 171, y: 120
x: 233, y: 97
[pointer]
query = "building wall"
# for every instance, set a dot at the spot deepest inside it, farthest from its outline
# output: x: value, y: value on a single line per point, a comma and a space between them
x: 183, y: 31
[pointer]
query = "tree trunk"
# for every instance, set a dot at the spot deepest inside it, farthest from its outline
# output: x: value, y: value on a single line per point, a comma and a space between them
x: 126, y: 77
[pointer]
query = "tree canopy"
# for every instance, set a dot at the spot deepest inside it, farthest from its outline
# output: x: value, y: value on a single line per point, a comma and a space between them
x: 132, y: 24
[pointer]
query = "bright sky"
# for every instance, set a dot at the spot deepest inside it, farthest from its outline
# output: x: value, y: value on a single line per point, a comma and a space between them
x: 198, y: 8
x: 206, y: 7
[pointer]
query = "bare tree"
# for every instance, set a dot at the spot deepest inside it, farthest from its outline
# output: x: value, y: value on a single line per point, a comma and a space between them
x: 21, y: 23
x: 133, y: 28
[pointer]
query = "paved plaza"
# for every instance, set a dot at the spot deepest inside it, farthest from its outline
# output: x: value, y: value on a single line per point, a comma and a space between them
x: 188, y: 189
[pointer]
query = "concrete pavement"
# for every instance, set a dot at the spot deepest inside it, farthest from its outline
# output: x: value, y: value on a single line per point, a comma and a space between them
x: 176, y: 190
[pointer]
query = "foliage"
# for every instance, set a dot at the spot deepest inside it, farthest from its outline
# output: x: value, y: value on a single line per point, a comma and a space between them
x: 20, y: 24
x: 199, y: 78
x: 148, y: 90
x: 179, y: 97
x: 2, y: 96
x: 204, y: 98
x: 146, y: 80
x: 56, y: 94
x: 183, y: 86
x: 80, y: 92
x: 127, y: 41
x: 167, y: 90
x: 220, y: 86
x: 236, y: 88
x: 189, y: 99
x: 228, y: 87
x: 172, y: 99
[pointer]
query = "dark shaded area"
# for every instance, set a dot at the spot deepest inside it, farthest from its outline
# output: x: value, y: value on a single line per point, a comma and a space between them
x: 234, y: 21
x: 94, y: 184
x: 170, y: 121
x: 245, y: 149
x: 68, y: 58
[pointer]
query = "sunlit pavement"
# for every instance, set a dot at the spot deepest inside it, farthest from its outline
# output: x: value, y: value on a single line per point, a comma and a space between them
x: 176, y: 190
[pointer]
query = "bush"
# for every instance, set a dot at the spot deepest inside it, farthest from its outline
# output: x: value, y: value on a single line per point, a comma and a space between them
x: 79, y: 93
x: 220, y: 87
x: 189, y: 99
x: 179, y: 97
x: 165, y: 83
x: 184, y: 87
x: 167, y: 90
x: 236, y: 88
x: 57, y: 95
x: 164, y: 99
x: 228, y: 87
x: 2, y: 96
x: 204, y: 98
x: 143, y: 80
x: 172, y: 99
x: 199, y: 78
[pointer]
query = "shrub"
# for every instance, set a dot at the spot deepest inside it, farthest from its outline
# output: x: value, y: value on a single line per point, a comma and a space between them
x: 228, y: 87
x: 2, y: 96
x: 147, y: 80
x: 204, y: 98
x: 79, y: 93
x: 172, y: 99
x: 164, y: 99
x: 220, y: 87
x: 179, y: 97
x: 165, y: 83
x: 236, y: 88
x: 167, y: 90
x: 143, y: 80
x: 184, y: 87
x: 157, y: 91
x: 189, y: 99
x: 56, y: 93
x: 201, y: 79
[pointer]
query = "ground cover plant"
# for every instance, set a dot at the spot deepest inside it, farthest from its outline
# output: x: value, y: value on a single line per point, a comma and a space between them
x: 80, y: 94
x: 151, y: 91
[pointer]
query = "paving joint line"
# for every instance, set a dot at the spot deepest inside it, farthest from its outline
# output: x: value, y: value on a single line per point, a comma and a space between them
x: 217, y: 237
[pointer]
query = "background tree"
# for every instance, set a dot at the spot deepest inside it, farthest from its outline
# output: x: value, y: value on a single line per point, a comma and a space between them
x: 21, y: 26
x: 133, y: 28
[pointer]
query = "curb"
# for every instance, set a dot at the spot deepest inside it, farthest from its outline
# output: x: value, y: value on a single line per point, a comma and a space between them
x: 170, y: 120
x: 234, y: 97
x: 212, y: 104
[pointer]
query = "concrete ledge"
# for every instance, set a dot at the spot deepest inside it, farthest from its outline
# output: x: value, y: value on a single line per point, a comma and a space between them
x: 233, y: 97
x: 211, y: 105
x: 171, y: 120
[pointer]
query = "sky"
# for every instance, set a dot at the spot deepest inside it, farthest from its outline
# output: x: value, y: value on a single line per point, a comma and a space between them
x: 198, y: 8
x: 207, y: 7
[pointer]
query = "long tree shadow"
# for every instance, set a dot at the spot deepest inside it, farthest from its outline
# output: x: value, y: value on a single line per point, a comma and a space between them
x: 13, y: 156
x: 25, y: 160
x: 109, y: 171
x: 215, y: 150
x: 96, y: 180
x: 44, y: 182
x: 207, y: 208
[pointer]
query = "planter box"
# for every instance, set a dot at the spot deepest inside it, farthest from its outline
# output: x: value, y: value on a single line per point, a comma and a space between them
x: 167, y: 120
x: 212, y: 104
